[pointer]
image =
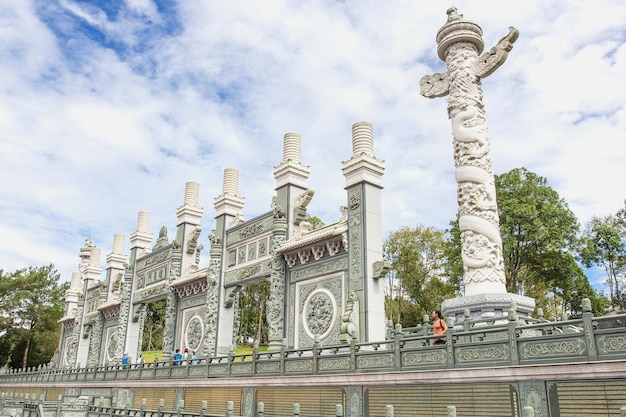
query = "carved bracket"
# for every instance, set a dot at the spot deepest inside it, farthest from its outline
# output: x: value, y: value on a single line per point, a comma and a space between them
x: 380, y: 269
x: 231, y: 293
x: 137, y: 309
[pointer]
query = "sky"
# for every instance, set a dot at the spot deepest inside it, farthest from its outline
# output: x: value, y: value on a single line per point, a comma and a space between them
x: 108, y: 107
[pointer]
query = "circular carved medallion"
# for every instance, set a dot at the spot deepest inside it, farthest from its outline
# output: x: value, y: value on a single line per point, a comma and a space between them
x: 319, y: 313
x: 194, y: 333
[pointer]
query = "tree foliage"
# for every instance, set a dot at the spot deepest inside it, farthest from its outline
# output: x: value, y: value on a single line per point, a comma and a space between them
x: 538, y: 232
x: 604, y: 245
x: 253, y: 300
x: 31, y: 303
x: 416, y: 283
x: 540, y: 244
x: 152, y: 338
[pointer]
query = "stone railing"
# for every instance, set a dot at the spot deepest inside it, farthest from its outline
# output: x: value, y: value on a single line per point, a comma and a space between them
x: 478, y: 343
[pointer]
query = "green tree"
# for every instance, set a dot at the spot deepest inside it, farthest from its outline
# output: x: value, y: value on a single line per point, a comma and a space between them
x: 538, y: 229
x: 31, y: 303
x: 540, y: 242
x: 604, y: 245
x: 152, y: 337
x: 416, y: 283
x: 253, y: 300
x: 315, y: 222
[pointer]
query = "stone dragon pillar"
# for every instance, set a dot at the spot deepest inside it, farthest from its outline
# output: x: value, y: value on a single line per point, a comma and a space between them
x: 460, y: 44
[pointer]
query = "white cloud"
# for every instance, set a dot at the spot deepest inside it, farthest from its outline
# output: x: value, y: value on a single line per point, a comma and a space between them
x: 105, y: 113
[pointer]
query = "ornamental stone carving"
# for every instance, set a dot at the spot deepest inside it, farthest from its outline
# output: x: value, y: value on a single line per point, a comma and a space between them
x: 111, y: 348
x: 459, y: 45
x: 611, y: 343
x: 320, y: 312
x: 95, y: 342
x: 437, y: 357
x: 210, y: 316
x: 478, y: 354
x: 333, y: 364
x: 194, y: 333
x: 378, y: 361
x: 275, y: 319
x: 320, y: 269
x: 532, y: 350
x: 306, y: 365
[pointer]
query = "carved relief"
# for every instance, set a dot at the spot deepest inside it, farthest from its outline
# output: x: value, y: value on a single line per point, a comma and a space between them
x: 72, y: 347
x: 245, y: 232
x: 275, y: 319
x: 299, y: 366
x: 191, y: 302
x: 191, y: 288
x: 333, y: 364
x: 320, y: 312
x: 111, y: 347
x: 122, y: 323
x: 241, y: 255
x: 262, y: 247
x: 611, y: 343
x: 252, y: 247
x: 478, y: 221
x: 478, y: 215
x: 111, y: 312
x: 379, y: 361
x: 149, y: 293
x: 421, y: 358
x: 194, y: 332
x: 95, y: 342
x: 530, y: 350
x: 210, y: 315
x: 169, y: 322
x: 482, y: 354
x: 354, y: 401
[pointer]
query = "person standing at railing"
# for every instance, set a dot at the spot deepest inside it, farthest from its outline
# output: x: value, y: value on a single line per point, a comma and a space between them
x: 125, y: 360
x: 177, y: 357
x: 439, y: 328
x: 194, y: 358
x: 185, y: 355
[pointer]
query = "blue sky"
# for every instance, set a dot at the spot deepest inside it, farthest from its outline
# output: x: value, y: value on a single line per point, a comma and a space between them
x: 109, y: 107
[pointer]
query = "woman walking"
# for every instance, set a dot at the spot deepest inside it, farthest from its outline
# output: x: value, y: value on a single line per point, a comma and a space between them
x: 439, y: 328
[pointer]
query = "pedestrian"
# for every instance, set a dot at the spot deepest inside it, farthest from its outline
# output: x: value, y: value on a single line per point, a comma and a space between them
x: 185, y: 355
x: 194, y: 358
x: 125, y: 360
x: 439, y: 328
x: 177, y: 357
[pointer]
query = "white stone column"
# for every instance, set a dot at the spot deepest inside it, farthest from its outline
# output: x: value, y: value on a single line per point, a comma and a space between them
x: 229, y: 203
x: 228, y: 213
x: 141, y: 238
x: 363, y: 173
x: 189, y: 212
x: 459, y: 44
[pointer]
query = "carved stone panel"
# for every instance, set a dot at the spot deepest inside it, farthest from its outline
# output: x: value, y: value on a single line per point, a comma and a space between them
x: 557, y: 348
x: 258, y: 270
x: 319, y: 307
x: 533, y: 394
x: 490, y: 353
x: 611, y: 344
x: 318, y: 269
x: 193, y: 328
x: 111, y: 341
x: 249, y: 230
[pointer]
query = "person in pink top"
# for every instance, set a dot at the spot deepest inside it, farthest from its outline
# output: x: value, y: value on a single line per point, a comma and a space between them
x: 439, y: 328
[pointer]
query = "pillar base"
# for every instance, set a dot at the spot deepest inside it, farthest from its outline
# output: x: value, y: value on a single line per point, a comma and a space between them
x: 487, y: 306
